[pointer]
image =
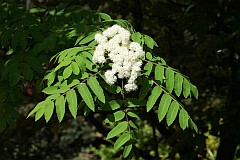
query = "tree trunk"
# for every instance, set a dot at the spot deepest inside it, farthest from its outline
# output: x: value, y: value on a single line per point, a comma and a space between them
x: 231, y: 121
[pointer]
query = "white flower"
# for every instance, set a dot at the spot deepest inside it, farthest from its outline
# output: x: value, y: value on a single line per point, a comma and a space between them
x: 135, y: 46
x: 100, y: 38
x: 98, y: 58
x: 130, y: 87
x: 110, y: 77
x: 115, y: 44
x: 111, y: 31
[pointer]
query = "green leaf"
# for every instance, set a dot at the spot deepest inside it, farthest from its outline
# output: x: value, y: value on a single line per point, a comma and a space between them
x: 136, y: 37
x: 75, y: 68
x: 63, y: 88
x: 50, y: 90
x: 74, y: 83
x: 149, y: 42
x: 169, y: 79
x: 71, y: 53
x: 149, y: 56
x: 87, y: 39
x: 133, y: 125
x: 71, y: 97
x: 183, y: 118
x: 39, y: 113
x: 10, y: 52
x: 37, y: 107
x: 14, y: 76
x: 86, y: 96
x: 105, y: 16
x: 48, y: 110
x: 148, y: 68
x: 159, y: 73
x: 67, y: 72
x: 146, y: 86
x: 23, y: 40
x: 121, y: 127
x: 62, y: 64
x: 96, y: 88
x: 193, y: 125
x: 178, y: 84
x: 34, y: 63
x: 112, y: 105
x: 60, y: 107
x: 156, y: 92
x: 124, y: 138
x: 186, y: 88
x: 111, y: 89
x: 26, y: 72
x: 81, y: 62
x: 194, y: 90
x: 127, y: 150
x: 79, y: 39
x: 163, y: 106
x: 116, y: 116
x: 133, y: 114
x: 134, y: 102
x: 50, y: 78
x: 172, y: 112
x: 53, y: 96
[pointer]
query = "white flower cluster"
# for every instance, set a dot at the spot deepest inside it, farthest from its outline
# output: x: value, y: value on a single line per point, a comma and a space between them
x: 114, y: 44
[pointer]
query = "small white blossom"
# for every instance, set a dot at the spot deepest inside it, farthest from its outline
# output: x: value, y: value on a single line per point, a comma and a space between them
x: 100, y: 38
x: 110, y: 77
x: 130, y: 87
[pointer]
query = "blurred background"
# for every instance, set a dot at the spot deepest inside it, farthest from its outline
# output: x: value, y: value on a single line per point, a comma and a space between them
x: 198, y: 37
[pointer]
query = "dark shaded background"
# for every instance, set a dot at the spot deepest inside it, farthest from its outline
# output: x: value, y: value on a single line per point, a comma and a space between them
x: 198, y: 37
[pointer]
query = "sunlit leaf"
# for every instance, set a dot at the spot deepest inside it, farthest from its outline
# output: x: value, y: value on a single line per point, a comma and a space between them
x: 114, y: 117
x: 71, y: 97
x: 124, y: 138
x: 96, y: 88
x: 178, y: 84
x: 183, y: 118
x: 60, y: 107
x: 169, y: 79
x: 48, y: 110
x: 163, y: 106
x: 86, y: 95
x: 67, y: 72
x: 159, y: 73
x: 121, y: 127
x: 186, y: 88
x: 127, y: 150
x: 156, y: 92
x: 172, y: 112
